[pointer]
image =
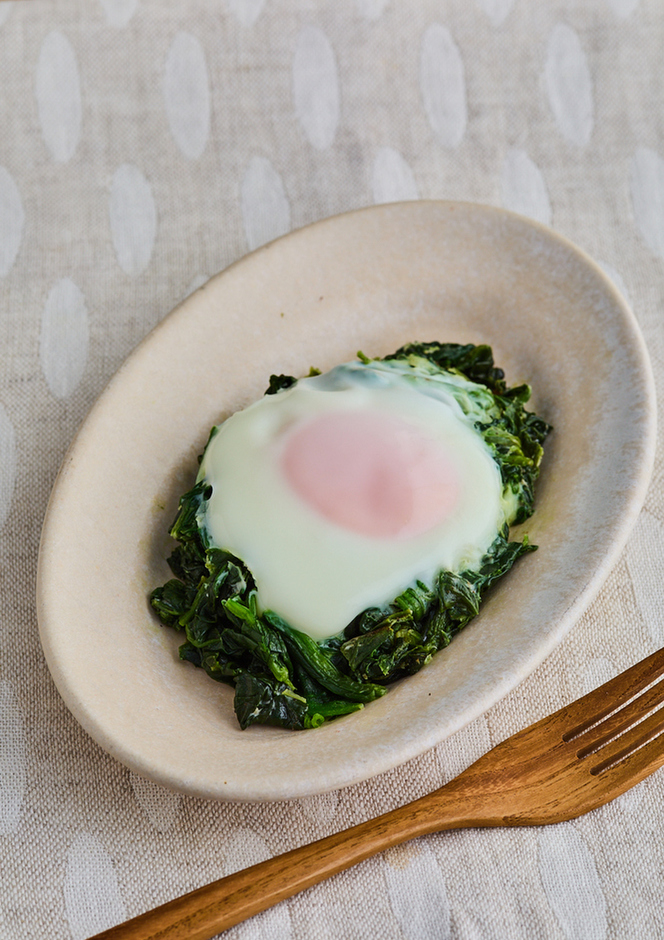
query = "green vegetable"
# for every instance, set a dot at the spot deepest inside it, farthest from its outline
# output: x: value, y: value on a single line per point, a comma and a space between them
x: 281, y: 676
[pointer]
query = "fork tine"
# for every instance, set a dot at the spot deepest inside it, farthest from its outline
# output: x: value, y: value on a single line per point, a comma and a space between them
x: 608, y: 697
x: 620, y: 777
x: 630, y: 742
x: 619, y: 721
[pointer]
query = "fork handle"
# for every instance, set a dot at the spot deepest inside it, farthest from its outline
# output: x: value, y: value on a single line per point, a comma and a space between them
x: 203, y: 913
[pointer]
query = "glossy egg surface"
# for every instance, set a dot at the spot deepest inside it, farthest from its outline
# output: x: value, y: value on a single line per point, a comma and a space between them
x: 342, y: 490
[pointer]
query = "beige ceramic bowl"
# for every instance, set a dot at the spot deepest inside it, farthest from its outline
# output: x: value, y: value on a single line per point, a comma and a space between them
x: 369, y: 280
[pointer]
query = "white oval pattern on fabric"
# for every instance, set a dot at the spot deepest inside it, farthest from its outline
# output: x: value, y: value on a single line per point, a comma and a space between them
x: 92, y: 897
x: 187, y: 94
x: 274, y: 924
x: 644, y: 553
x: 119, y: 12
x: 7, y: 464
x: 393, y: 179
x: 496, y: 10
x: 12, y: 220
x: 443, y: 85
x: 12, y: 759
x: 316, y: 87
x: 58, y: 92
x: 247, y: 848
x: 597, y: 671
x: 244, y: 848
x: 194, y: 284
x: 247, y: 11
x: 64, y: 337
x: 418, y: 896
x: 160, y: 805
x: 320, y: 808
x: 524, y: 189
x: 133, y: 218
x: 5, y: 9
x: 371, y: 9
x: 571, y: 883
x: 623, y: 8
x: 647, y: 185
x: 265, y: 206
x: 462, y: 749
x: 569, y: 85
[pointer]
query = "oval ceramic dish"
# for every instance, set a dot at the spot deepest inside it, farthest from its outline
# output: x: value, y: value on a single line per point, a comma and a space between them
x: 369, y: 280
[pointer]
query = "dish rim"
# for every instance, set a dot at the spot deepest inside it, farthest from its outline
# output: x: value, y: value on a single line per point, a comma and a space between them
x: 423, y: 742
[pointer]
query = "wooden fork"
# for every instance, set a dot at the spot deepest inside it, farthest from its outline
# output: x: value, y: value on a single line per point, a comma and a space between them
x: 575, y: 760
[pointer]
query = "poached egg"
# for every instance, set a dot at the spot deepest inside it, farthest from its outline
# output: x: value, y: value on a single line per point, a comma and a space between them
x: 344, y: 489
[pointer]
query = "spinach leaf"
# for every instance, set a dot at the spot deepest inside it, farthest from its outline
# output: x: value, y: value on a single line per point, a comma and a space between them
x: 475, y: 362
x: 321, y: 704
x: 266, y: 701
x: 312, y: 657
x: 171, y: 602
x: 386, y: 645
x: 279, y: 382
x: 283, y: 677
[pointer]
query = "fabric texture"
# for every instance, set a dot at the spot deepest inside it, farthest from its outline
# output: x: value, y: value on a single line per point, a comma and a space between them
x: 144, y: 146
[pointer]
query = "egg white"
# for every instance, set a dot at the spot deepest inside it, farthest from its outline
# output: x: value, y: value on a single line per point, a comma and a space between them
x: 316, y: 574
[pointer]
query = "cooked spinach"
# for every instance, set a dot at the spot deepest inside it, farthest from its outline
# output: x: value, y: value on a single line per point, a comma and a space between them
x: 281, y: 676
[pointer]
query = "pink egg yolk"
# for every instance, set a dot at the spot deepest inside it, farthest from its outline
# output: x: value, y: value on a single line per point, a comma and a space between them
x: 372, y: 473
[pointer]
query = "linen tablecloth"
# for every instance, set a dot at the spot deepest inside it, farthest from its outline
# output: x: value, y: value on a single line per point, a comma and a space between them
x: 146, y: 145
